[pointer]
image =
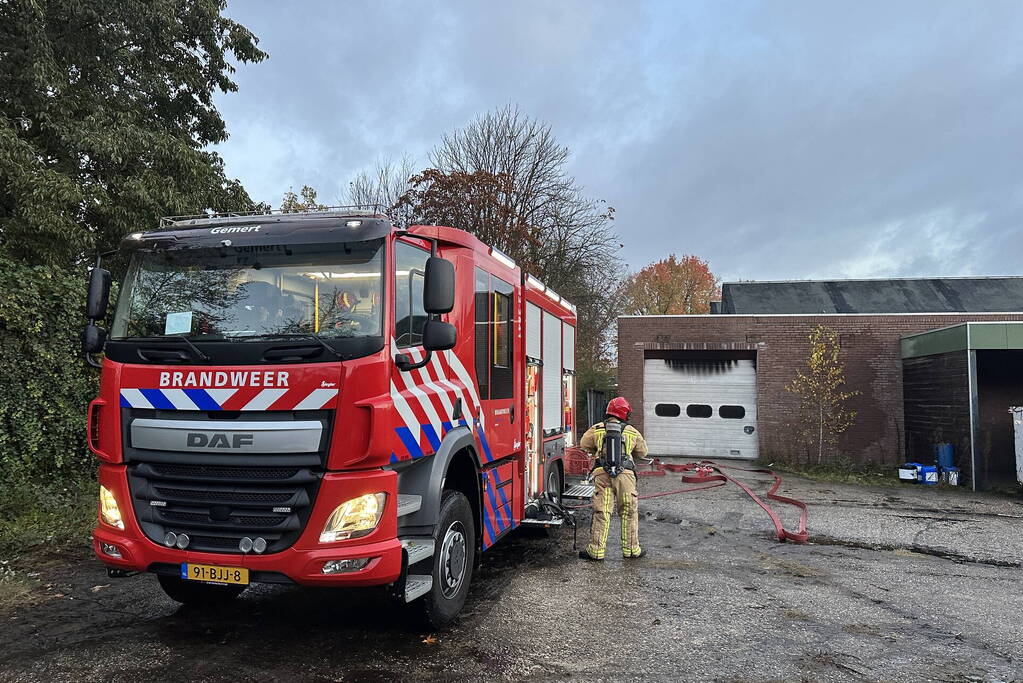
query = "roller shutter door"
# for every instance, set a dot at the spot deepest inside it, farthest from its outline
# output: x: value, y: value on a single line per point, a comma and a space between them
x: 551, y: 372
x: 533, y: 331
x: 700, y: 408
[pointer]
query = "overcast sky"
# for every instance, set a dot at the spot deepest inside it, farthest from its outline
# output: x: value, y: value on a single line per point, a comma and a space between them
x: 775, y: 139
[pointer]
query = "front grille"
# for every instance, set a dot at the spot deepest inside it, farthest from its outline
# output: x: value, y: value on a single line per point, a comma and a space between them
x: 218, y: 505
x: 266, y: 521
x: 223, y: 472
x: 217, y: 499
x: 175, y: 516
x: 232, y: 496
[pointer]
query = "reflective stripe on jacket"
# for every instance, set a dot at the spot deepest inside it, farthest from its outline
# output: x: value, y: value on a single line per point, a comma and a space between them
x: 633, y: 442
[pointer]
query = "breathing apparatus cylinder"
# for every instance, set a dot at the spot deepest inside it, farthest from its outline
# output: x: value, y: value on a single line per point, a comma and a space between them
x: 613, y: 448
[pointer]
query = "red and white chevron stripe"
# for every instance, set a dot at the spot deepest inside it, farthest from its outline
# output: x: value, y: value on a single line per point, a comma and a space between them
x: 428, y: 395
x: 248, y: 398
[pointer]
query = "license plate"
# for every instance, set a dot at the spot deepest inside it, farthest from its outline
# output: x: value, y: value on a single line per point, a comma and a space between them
x: 212, y: 574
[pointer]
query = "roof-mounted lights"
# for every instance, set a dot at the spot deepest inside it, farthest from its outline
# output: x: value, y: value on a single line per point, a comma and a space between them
x: 502, y: 257
x: 533, y: 282
x: 352, y: 224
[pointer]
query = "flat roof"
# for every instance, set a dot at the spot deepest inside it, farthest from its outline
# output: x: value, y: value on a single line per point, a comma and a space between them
x: 972, y: 336
x: 887, y: 295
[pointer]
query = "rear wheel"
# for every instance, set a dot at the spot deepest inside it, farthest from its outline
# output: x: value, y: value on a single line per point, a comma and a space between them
x: 197, y: 593
x: 455, y: 540
x: 553, y: 489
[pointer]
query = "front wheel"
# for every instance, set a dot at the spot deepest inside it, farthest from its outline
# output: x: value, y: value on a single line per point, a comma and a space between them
x: 196, y: 593
x: 455, y: 550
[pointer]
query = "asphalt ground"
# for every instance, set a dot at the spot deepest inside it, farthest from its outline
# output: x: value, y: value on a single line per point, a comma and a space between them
x: 904, y: 583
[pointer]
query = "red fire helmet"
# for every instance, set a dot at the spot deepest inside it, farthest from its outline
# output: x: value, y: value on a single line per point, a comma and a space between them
x: 619, y: 407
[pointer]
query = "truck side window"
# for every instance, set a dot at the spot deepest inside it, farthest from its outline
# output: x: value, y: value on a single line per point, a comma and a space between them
x: 501, y: 376
x: 409, y: 314
x: 480, y: 302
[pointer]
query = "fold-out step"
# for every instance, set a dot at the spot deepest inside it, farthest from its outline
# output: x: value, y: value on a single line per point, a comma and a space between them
x: 418, y: 548
x: 408, y: 503
x: 417, y: 585
x: 579, y: 491
x: 543, y: 522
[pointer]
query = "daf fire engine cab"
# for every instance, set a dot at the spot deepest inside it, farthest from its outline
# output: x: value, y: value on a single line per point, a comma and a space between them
x: 323, y: 399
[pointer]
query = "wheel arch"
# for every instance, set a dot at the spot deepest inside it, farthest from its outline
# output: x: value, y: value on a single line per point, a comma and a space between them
x: 454, y: 465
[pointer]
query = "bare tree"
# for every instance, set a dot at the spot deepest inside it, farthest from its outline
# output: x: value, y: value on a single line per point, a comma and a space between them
x: 503, y: 178
x: 535, y: 211
x: 383, y: 187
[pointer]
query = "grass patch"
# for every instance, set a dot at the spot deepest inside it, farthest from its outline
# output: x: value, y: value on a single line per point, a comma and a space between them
x: 16, y: 588
x: 33, y: 513
x: 840, y: 472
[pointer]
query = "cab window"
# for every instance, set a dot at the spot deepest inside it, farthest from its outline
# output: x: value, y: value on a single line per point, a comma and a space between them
x: 409, y: 274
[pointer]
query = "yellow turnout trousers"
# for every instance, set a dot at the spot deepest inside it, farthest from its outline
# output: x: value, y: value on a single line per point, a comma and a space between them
x: 606, y: 491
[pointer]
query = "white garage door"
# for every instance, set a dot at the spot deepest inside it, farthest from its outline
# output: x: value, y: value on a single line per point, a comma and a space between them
x: 700, y: 408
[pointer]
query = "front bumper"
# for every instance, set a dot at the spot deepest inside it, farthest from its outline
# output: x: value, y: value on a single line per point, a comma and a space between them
x: 302, y: 563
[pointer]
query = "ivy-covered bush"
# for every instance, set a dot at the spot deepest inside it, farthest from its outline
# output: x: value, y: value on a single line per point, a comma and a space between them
x: 45, y: 385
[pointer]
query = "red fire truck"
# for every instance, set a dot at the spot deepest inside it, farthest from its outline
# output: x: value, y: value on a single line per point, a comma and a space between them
x: 323, y: 399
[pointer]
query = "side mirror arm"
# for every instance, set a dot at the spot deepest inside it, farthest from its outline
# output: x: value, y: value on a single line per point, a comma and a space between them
x: 405, y: 364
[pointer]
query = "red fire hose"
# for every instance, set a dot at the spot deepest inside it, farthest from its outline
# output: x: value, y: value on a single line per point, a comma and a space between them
x: 712, y: 475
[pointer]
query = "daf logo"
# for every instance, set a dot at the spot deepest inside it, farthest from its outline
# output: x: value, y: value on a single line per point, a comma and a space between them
x: 218, y: 440
x: 235, y: 230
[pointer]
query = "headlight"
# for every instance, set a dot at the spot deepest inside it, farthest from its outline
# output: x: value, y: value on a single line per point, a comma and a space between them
x: 354, y: 518
x: 108, y: 510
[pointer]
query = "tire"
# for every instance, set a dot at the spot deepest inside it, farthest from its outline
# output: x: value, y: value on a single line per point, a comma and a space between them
x: 554, y: 485
x: 196, y: 593
x: 453, y: 561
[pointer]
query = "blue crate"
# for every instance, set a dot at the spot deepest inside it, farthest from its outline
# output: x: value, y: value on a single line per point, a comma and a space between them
x: 929, y: 475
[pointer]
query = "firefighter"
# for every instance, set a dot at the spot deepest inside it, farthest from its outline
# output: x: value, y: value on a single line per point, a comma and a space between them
x: 347, y: 301
x: 621, y: 488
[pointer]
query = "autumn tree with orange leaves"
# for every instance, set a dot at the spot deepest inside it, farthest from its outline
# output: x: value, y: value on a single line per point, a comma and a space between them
x: 671, y: 286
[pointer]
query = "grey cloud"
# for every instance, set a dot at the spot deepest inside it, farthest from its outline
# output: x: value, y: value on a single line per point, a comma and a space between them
x: 778, y: 139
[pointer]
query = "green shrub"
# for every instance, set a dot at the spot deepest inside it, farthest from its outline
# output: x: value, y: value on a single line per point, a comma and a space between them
x: 46, y: 385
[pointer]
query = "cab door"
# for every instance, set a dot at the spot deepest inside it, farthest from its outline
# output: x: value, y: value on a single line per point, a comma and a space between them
x: 497, y: 356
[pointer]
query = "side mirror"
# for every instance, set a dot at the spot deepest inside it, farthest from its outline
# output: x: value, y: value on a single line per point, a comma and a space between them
x: 93, y: 338
x: 438, y: 335
x: 439, y: 286
x: 99, y: 294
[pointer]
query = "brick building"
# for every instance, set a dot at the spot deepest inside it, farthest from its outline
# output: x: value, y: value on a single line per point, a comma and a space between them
x: 714, y: 385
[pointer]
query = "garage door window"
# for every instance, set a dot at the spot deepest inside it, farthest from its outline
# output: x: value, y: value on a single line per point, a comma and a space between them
x: 699, y: 410
x: 732, y: 412
x: 667, y: 410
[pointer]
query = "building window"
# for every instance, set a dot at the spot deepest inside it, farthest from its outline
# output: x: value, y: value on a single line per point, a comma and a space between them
x: 667, y: 410
x: 699, y: 410
x: 732, y: 412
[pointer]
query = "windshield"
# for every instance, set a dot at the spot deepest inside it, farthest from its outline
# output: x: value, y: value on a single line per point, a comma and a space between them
x: 234, y: 293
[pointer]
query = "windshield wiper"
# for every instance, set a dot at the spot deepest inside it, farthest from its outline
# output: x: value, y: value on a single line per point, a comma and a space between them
x: 299, y: 335
x: 173, y: 337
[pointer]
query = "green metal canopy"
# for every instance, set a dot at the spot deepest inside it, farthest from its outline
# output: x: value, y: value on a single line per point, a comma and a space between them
x: 964, y: 337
